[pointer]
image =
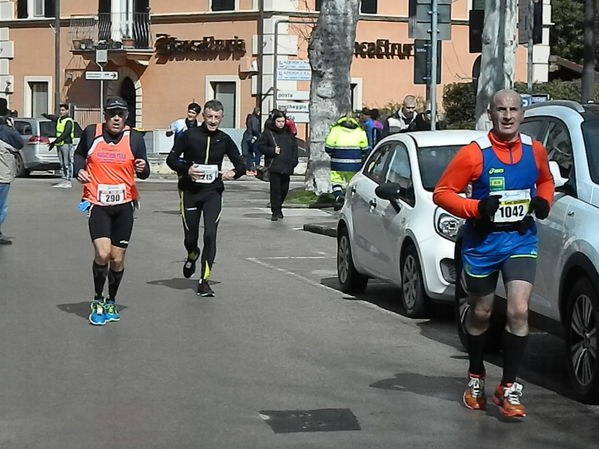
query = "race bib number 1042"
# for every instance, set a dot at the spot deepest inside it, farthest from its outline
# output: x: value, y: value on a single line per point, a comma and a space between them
x: 513, y: 205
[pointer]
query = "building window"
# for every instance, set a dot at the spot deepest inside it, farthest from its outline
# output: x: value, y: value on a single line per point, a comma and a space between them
x: 318, y: 5
x: 225, y: 93
x: 29, y: 9
x: 368, y: 7
x: 39, y: 98
x: 223, y: 5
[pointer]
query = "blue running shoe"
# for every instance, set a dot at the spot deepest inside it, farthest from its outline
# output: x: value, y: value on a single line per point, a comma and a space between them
x: 111, y: 312
x: 97, y: 317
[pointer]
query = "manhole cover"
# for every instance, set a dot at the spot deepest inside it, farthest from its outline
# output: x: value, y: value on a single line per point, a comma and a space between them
x: 322, y: 420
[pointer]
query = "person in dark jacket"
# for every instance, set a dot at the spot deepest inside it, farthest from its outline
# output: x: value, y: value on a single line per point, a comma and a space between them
x: 10, y: 143
x: 249, y: 147
x: 278, y: 145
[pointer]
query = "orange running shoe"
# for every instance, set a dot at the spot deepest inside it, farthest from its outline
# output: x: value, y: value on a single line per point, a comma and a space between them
x: 474, y: 396
x: 507, y: 397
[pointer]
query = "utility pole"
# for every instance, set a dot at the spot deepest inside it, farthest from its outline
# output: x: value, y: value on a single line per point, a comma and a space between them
x: 260, y: 31
x: 57, y: 71
x: 434, y: 62
x: 588, y: 71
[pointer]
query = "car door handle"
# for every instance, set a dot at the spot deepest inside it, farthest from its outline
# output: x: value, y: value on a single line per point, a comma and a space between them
x: 570, y: 213
x: 372, y: 203
x: 352, y: 190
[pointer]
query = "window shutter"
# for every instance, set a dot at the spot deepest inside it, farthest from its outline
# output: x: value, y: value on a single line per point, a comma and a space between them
x: 49, y: 8
x: 22, y: 9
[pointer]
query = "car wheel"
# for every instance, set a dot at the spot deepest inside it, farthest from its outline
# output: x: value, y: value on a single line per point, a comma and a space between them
x: 582, y: 321
x: 350, y: 279
x: 414, y: 300
x: 20, y: 170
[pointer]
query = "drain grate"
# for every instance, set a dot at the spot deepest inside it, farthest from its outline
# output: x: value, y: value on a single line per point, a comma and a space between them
x: 321, y: 420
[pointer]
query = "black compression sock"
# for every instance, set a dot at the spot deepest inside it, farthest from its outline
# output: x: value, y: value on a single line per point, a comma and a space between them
x: 476, y: 353
x: 100, y: 272
x: 114, y: 280
x: 513, y: 351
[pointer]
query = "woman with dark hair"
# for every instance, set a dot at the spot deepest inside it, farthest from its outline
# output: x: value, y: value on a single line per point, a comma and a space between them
x: 279, y: 146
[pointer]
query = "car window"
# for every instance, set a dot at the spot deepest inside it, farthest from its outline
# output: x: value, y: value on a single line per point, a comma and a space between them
x: 559, y: 147
x: 399, y: 167
x: 432, y: 162
x: 400, y: 172
x: 23, y: 128
x: 533, y: 128
x: 377, y: 162
x: 590, y: 132
x: 47, y: 129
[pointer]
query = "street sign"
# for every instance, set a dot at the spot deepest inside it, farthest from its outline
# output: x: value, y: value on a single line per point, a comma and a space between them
x: 526, y: 100
x: 110, y: 76
x: 419, y: 23
x: 101, y: 56
x: 294, y: 75
x: 292, y: 107
x: 299, y: 117
x: 293, y: 95
x: 294, y: 64
x: 422, y: 62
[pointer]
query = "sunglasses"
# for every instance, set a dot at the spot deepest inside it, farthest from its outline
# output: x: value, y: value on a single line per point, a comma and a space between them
x: 115, y: 112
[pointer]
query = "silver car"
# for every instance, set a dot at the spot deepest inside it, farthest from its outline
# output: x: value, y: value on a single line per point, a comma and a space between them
x: 37, y: 133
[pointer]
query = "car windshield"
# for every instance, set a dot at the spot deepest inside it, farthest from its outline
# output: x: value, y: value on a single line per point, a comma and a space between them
x: 433, y: 161
x: 47, y: 129
x: 590, y: 132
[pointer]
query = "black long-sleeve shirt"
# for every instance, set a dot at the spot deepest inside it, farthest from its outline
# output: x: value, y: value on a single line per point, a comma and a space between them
x: 200, y: 146
x: 136, y: 140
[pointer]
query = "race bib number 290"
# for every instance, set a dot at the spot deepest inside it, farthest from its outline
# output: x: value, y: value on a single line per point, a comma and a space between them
x: 513, y: 205
x: 109, y: 195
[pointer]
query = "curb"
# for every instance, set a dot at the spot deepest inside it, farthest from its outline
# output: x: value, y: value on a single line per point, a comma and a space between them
x: 323, y: 229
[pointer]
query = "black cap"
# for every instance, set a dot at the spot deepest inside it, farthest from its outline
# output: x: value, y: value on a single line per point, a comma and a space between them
x: 115, y: 103
x: 365, y: 111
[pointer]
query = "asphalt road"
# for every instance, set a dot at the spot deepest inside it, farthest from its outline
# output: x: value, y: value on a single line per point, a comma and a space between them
x: 278, y: 359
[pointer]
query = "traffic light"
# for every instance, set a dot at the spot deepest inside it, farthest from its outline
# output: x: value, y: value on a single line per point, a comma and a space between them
x: 537, y: 28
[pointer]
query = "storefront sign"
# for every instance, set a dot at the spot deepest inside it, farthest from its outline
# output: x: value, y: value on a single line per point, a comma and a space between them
x: 383, y: 48
x: 166, y: 45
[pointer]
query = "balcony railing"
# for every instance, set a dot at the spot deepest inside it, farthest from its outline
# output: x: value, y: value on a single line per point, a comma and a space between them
x: 116, y: 31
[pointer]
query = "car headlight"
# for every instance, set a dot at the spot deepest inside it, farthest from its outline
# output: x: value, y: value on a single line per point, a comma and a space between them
x: 447, y: 225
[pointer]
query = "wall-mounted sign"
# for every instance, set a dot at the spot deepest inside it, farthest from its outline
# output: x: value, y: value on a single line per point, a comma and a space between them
x: 383, y: 48
x: 293, y: 95
x: 299, y: 117
x: 166, y: 45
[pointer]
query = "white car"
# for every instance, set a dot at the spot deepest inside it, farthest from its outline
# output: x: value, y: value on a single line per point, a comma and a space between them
x: 389, y: 228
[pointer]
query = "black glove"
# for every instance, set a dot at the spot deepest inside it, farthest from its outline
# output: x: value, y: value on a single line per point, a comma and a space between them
x: 488, y: 206
x: 540, y: 207
x: 50, y: 146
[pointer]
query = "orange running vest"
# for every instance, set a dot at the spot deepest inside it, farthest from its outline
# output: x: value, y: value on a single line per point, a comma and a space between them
x: 111, y: 168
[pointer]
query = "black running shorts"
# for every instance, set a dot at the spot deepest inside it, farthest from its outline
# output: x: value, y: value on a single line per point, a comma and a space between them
x: 113, y: 222
x: 513, y: 269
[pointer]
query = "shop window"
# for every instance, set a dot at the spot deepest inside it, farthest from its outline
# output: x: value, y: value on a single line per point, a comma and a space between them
x: 223, y: 5
x: 368, y: 6
x: 225, y: 91
x: 28, y: 9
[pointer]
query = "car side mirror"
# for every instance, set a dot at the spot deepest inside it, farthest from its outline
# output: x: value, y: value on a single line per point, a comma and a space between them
x: 558, y: 179
x: 390, y: 191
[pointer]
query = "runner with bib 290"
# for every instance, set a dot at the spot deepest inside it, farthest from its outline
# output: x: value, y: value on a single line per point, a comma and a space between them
x: 107, y: 159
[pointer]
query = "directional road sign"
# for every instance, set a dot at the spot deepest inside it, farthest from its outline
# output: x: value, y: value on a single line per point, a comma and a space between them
x: 110, y: 76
